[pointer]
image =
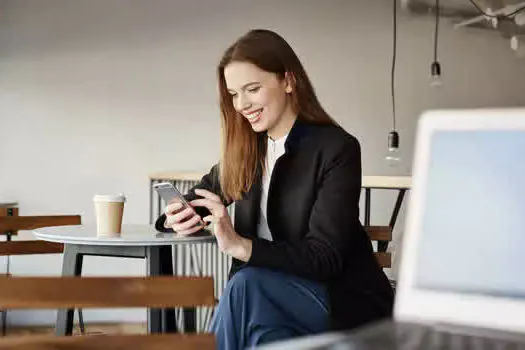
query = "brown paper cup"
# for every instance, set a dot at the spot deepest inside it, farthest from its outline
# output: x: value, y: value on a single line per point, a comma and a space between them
x: 109, y: 210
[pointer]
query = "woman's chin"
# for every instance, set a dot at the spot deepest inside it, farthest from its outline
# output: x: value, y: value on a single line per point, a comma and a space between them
x: 258, y: 127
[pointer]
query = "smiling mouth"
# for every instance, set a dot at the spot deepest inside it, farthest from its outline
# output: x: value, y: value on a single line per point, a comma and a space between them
x: 254, y: 116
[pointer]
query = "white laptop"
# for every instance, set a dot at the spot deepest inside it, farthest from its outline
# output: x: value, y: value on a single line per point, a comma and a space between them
x: 464, y: 241
x: 462, y: 275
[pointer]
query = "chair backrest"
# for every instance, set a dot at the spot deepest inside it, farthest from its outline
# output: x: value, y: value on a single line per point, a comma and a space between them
x: 12, y: 224
x: 30, y: 247
x: 381, y: 234
x: 16, y: 223
x: 85, y: 292
x: 8, y: 210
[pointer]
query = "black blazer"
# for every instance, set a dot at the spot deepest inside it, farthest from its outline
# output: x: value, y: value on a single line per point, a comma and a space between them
x: 313, y: 215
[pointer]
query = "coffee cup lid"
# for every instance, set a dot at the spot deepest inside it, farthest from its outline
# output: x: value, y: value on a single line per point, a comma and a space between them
x: 109, y: 198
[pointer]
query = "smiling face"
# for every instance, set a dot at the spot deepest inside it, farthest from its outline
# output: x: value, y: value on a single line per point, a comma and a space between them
x: 261, y: 97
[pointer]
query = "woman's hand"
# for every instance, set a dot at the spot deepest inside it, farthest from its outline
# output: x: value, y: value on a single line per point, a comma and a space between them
x: 228, y: 240
x: 183, y: 221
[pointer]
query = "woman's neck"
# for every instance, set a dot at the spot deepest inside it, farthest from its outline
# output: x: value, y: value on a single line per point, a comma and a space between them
x: 284, y: 125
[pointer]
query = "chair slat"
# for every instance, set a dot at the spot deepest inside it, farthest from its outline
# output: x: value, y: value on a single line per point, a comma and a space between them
x: 111, y: 342
x: 30, y: 247
x: 86, y: 292
x: 379, y: 233
x: 384, y: 259
x: 5, y: 210
x: 15, y: 223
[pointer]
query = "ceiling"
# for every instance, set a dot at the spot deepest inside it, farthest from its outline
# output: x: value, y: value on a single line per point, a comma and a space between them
x: 462, y: 13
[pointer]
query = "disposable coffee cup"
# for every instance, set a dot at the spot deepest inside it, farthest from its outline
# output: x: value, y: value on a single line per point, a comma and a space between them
x: 109, y: 210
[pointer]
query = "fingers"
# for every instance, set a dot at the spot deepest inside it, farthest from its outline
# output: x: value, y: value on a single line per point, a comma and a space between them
x: 182, y: 220
x: 190, y: 231
x: 188, y: 225
x: 172, y: 219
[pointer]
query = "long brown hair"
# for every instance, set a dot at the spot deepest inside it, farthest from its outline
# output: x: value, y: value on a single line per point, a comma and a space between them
x: 242, y: 154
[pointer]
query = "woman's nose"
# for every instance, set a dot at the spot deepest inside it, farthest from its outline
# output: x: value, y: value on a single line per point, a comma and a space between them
x: 243, y: 103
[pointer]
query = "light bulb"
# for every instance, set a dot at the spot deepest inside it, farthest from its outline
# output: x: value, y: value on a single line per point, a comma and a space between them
x: 435, y: 81
x: 517, y: 44
x: 393, y: 156
x: 435, y: 74
x: 520, y: 18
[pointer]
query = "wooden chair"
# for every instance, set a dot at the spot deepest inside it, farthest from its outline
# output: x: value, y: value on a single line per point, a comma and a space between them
x: 97, y: 292
x: 10, y: 225
x: 381, y: 234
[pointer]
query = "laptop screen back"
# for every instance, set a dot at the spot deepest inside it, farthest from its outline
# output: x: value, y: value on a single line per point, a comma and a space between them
x: 473, y: 215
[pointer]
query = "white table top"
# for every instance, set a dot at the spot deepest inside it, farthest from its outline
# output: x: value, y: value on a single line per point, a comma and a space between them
x: 6, y: 203
x: 387, y: 182
x: 132, y: 235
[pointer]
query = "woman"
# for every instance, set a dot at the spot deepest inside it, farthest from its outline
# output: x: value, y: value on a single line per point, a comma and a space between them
x: 302, y: 263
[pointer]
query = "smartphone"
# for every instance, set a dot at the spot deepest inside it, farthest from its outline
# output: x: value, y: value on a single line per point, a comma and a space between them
x: 169, y: 193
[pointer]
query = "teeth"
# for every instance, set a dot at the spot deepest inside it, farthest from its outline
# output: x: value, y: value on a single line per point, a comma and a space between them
x: 253, y: 115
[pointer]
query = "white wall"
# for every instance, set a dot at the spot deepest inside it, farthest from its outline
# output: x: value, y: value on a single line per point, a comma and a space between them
x: 95, y: 95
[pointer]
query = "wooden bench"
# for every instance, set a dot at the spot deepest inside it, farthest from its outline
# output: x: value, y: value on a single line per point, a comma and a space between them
x: 381, y: 234
x: 86, y: 292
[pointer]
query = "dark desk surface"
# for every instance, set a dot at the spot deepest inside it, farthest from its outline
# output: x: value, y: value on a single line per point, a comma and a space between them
x: 390, y: 336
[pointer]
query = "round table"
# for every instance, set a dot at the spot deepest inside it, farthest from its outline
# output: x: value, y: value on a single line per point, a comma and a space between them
x: 135, y: 241
x: 132, y: 235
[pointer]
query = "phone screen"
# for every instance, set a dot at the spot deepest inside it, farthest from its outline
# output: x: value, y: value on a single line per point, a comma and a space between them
x: 168, y: 193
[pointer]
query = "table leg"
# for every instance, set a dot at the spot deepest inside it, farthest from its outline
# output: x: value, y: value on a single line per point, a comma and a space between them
x: 8, y: 212
x: 189, y: 314
x: 71, y: 266
x: 7, y: 271
x: 367, y: 206
x: 153, y: 269
x: 383, y: 245
x: 397, y: 207
x: 159, y: 261
x: 169, y: 324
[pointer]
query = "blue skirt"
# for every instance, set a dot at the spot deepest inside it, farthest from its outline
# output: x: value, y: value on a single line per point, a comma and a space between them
x: 259, y: 306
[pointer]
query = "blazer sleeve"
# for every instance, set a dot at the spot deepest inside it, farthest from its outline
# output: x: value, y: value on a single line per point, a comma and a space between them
x: 333, y: 225
x: 208, y: 182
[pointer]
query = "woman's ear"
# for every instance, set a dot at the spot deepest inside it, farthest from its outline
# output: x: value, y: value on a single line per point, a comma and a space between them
x: 289, y: 79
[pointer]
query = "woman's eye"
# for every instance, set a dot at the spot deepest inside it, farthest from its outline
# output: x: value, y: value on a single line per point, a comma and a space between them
x: 233, y: 96
x: 254, y: 89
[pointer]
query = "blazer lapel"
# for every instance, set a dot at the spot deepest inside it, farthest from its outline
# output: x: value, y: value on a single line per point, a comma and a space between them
x: 255, y: 202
